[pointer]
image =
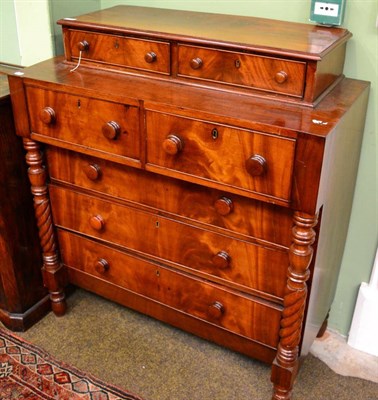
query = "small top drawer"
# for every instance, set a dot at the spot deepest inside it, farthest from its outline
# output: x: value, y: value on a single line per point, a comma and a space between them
x: 240, y: 69
x: 246, y: 162
x: 121, y: 51
x: 86, y: 124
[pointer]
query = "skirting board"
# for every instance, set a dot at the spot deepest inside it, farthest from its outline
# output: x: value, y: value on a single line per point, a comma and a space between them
x: 364, y: 330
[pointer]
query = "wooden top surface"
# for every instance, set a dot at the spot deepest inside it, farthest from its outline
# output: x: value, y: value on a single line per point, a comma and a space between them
x: 248, y: 33
x: 252, y: 113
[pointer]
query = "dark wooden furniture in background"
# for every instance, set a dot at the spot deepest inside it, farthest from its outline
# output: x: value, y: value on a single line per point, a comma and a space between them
x: 23, y: 298
x: 201, y: 171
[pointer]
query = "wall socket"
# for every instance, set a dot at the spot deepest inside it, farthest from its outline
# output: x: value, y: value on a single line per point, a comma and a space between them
x: 327, y: 12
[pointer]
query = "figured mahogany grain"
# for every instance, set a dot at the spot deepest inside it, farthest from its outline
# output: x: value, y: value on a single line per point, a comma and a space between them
x: 304, y: 60
x: 272, y: 36
x: 262, y: 221
x: 241, y: 314
x: 169, y: 315
x: 189, y: 247
x: 207, y: 159
x: 80, y: 120
x: 263, y: 115
x: 118, y: 50
x: 242, y: 70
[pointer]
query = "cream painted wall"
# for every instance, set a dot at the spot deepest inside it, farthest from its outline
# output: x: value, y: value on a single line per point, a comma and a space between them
x: 34, y: 32
x: 361, y: 63
x: 9, y: 46
x: 63, y: 9
x: 28, y: 27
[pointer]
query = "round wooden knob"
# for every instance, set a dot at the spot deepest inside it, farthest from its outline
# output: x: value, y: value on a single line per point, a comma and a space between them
x: 281, y: 77
x: 256, y: 165
x: 111, y: 130
x: 216, y: 310
x: 173, y: 144
x: 48, y: 116
x: 83, y: 46
x: 196, y: 63
x: 150, y: 57
x: 97, y: 222
x: 92, y: 171
x: 101, y: 266
x: 222, y: 260
x: 224, y: 206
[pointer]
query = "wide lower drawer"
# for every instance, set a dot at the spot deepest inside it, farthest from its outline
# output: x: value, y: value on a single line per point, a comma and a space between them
x: 193, y: 149
x: 209, y: 302
x: 241, y: 69
x: 114, y: 50
x: 221, y: 209
x: 85, y: 122
x: 251, y: 267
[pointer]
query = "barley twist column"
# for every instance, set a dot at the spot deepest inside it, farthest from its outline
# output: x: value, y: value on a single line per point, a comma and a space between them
x: 285, y: 365
x: 53, y: 273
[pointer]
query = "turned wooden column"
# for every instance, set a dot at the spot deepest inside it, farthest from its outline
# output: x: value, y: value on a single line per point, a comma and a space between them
x: 53, y: 273
x: 285, y: 365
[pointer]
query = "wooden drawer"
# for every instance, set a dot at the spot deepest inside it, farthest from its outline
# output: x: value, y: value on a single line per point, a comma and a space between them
x: 212, y: 153
x: 208, y: 206
x: 121, y: 51
x: 212, y: 255
x: 209, y: 302
x: 82, y: 122
x: 252, y: 71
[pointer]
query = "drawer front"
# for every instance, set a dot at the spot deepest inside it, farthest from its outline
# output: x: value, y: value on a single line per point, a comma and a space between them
x: 209, y: 206
x: 252, y: 71
x: 85, y: 122
x: 121, y: 51
x: 206, y: 301
x: 212, y: 255
x: 254, y: 162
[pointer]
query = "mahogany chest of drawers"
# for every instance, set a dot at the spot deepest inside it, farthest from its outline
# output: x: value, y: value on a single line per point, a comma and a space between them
x: 198, y: 168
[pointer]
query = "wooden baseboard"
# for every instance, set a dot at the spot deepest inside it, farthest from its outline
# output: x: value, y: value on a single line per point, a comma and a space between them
x: 22, y: 321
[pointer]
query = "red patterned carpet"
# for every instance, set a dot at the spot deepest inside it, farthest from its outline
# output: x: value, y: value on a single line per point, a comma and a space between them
x: 29, y: 373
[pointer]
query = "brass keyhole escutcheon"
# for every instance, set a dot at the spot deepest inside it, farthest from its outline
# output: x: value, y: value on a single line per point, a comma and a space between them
x: 116, y: 44
x: 215, y: 133
x: 237, y: 63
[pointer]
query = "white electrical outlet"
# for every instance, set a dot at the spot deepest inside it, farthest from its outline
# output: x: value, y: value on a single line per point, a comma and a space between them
x: 326, y: 9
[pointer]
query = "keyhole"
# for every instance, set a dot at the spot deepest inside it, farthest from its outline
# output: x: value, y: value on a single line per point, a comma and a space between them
x: 237, y: 63
x: 157, y: 224
x: 78, y: 104
x: 214, y: 133
x: 116, y: 44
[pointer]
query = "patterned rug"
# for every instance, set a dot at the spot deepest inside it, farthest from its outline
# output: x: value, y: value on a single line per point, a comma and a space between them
x: 29, y: 373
